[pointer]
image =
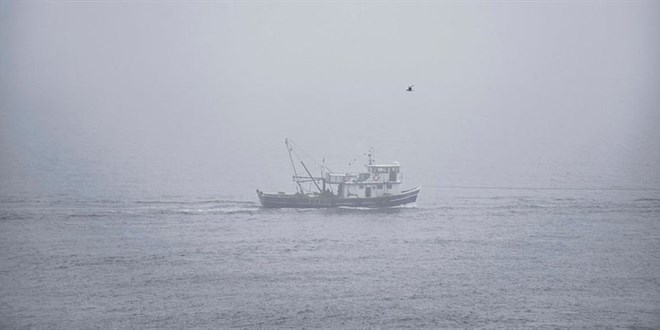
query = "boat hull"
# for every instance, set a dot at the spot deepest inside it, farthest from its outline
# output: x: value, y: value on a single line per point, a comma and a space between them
x: 325, y: 201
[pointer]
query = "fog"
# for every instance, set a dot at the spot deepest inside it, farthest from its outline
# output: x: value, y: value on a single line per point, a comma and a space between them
x: 189, y: 99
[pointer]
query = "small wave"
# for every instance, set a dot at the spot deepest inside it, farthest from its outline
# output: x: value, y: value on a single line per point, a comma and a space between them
x: 11, y: 216
x: 198, y: 202
x: 91, y: 214
x: 17, y: 200
x: 362, y: 208
x: 83, y: 202
x: 365, y: 210
x: 205, y: 209
x: 198, y: 207
x: 357, y: 208
x: 406, y: 206
x: 230, y: 210
x: 647, y: 200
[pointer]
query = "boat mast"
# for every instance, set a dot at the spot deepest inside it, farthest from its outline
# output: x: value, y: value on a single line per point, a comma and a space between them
x: 289, y: 148
x: 311, y: 177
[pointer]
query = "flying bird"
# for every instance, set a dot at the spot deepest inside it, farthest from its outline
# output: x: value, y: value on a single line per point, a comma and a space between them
x: 410, y: 88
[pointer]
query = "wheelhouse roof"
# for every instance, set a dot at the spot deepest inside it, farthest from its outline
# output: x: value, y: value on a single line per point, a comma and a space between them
x: 382, y: 165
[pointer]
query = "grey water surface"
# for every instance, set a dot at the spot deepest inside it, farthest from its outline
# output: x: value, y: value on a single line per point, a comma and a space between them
x: 458, y: 259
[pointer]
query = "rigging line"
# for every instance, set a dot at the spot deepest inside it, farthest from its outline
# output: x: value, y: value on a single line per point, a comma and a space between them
x: 307, y: 155
x: 295, y: 173
x: 303, y: 164
x: 547, y: 188
x: 304, y: 152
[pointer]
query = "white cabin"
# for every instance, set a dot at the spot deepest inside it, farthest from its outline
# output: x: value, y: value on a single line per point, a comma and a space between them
x: 378, y: 181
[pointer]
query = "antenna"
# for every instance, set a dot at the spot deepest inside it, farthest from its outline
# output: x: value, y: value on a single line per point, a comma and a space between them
x: 371, y: 156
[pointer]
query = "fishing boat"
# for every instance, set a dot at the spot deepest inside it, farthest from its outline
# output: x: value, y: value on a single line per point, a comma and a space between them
x: 378, y: 187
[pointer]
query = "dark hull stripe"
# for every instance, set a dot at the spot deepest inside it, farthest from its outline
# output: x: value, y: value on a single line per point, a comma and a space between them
x: 301, y: 201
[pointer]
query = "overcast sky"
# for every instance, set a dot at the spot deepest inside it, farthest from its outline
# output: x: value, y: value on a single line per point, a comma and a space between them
x: 198, y: 90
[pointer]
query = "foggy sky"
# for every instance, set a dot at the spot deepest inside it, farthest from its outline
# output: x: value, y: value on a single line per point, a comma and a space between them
x: 149, y: 95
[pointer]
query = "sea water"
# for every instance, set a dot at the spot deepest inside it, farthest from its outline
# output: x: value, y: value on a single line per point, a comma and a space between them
x: 460, y: 257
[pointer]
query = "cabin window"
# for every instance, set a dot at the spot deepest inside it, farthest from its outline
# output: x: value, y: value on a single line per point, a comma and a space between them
x: 380, y: 186
x: 392, y: 176
x: 389, y: 186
